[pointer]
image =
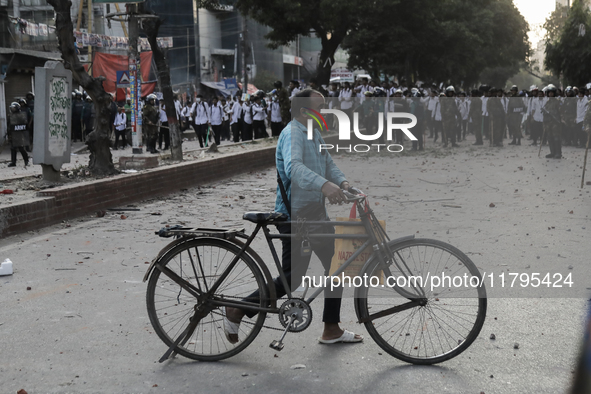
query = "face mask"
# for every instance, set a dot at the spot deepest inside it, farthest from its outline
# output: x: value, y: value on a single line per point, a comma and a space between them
x: 198, y: 100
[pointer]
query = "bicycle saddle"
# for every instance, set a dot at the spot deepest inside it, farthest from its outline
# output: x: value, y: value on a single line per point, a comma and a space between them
x: 265, y: 217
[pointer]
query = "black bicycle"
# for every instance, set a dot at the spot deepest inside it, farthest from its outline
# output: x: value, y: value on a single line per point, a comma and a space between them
x: 202, y: 271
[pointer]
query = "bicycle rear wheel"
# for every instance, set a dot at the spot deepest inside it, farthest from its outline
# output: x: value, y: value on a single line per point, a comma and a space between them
x: 200, y: 262
x: 449, y: 317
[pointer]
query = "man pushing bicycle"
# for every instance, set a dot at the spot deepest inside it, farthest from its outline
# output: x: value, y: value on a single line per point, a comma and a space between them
x: 306, y: 178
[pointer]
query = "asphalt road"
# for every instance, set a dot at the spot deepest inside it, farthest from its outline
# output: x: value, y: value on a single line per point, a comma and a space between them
x: 83, y: 326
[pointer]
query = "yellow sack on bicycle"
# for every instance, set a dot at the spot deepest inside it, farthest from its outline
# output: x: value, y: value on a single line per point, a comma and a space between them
x: 345, y: 248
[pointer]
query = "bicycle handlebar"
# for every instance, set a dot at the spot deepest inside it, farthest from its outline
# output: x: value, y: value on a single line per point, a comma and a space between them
x: 354, y: 194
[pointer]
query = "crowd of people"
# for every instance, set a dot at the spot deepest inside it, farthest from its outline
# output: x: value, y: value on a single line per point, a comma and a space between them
x: 240, y: 118
x: 547, y: 116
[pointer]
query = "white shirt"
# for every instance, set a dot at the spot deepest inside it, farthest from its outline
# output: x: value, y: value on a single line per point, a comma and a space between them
x: 186, y: 113
x: 216, y: 112
x: 294, y: 92
x: 362, y: 90
x: 247, y: 113
x: 484, y: 106
x: 275, y: 112
x: 581, y: 108
x: 163, y: 117
x: 432, y: 103
x: 537, y: 105
x: 200, y: 112
x: 179, y: 108
x: 236, y: 112
x: 258, y: 112
x: 227, y: 111
x: 437, y: 112
x: 464, y: 108
x: 345, y: 98
x: 120, y: 121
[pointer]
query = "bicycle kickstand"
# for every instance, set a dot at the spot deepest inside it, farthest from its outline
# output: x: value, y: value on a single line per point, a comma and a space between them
x: 278, y: 345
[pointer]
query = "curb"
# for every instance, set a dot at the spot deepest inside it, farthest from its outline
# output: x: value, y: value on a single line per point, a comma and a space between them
x: 68, y: 202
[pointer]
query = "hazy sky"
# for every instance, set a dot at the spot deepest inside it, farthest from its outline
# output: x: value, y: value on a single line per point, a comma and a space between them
x: 535, y: 13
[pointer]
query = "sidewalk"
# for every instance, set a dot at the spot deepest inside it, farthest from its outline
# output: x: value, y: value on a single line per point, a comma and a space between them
x: 80, y: 157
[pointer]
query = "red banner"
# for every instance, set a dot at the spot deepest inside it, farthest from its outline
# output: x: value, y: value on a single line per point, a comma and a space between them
x: 107, y: 65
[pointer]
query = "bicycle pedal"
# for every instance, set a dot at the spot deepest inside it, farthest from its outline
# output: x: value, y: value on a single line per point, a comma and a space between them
x: 276, y: 345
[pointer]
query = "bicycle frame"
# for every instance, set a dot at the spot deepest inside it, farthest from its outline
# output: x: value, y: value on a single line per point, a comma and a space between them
x: 377, y: 241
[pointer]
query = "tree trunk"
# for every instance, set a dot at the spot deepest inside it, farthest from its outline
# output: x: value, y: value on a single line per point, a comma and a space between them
x: 326, y: 60
x: 98, y: 142
x: 151, y: 27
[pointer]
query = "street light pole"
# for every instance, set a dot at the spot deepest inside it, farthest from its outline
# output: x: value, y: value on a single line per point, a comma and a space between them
x: 135, y: 79
x: 244, y: 47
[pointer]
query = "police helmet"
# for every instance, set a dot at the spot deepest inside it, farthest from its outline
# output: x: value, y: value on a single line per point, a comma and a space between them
x: 379, y: 92
x: 551, y: 88
x: 514, y: 88
x: 15, y: 105
x: 21, y: 101
x: 484, y: 88
x: 151, y: 97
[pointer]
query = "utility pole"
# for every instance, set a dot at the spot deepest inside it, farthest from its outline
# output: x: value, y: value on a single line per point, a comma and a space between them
x: 235, y: 60
x: 197, y: 45
x: 188, y: 51
x: 89, y: 32
x: 135, y: 79
x: 244, y: 47
x: 299, y: 55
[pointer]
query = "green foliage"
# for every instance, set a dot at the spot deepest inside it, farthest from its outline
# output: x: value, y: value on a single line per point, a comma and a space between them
x: 442, y: 40
x: 555, y: 23
x: 264, y: 80
x: 569, y: 55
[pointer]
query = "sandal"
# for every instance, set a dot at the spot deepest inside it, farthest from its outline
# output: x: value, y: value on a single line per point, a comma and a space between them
x: 347, y: 337
x: 230, y: 328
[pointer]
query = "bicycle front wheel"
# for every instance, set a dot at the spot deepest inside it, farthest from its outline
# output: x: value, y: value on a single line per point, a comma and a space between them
x: 201, y: 262
x: 412, y: 319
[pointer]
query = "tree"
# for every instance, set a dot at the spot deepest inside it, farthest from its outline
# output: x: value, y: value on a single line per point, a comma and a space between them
x: 442, y: 40
x: 98, y: 141
x: 264, y: 80
x: 330, y: 20
x: 151, y: 27
x: 555, y: 23
x: 569, y: 55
